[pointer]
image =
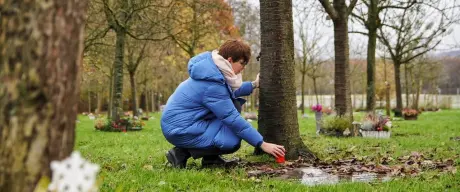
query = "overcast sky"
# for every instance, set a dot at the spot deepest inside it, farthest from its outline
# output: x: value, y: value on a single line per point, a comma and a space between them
x: 361, y: 41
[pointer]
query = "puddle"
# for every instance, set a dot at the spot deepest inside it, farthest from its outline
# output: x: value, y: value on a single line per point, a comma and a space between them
x: 314, y: 176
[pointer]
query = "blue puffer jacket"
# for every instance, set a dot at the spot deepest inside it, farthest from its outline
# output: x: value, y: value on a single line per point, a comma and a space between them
x: 201, y: 113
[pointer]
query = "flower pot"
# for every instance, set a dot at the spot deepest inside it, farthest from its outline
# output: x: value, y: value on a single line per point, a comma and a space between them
x: 376, y: 134
x: 318, y: 116
x: 410, y: 117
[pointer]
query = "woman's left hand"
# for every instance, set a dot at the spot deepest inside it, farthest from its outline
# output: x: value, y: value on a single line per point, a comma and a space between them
x: 256, y: 82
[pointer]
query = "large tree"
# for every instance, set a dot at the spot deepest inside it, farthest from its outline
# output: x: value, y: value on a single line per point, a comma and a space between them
x: 339, y: 12
x: 369, y: 16
x: 41, y: 45
x: 278, y: 114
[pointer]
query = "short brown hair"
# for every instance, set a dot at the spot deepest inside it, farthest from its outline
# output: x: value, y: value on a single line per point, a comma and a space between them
x: 236, y: 49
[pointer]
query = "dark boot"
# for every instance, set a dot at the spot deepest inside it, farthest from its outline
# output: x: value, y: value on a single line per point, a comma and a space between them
x: 178, y: 157
x: 217, y: 161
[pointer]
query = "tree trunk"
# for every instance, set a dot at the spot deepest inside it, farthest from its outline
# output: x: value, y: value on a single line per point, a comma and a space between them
x: 397, y: 68
x: 146, y: 94
x: 99, y: 102
x: 117, y: 99
x: 133, y: 93
x: 40, y: 54
x: 109, y: 107
x: 406, y: 82
x: 152, y: 95
x: 89, y: 101
x: 302, y: 102
x: 371, y: 46
x: 278, y: 115
x: 316, y: 90
x: 342, y: 72
x: 417, y: 94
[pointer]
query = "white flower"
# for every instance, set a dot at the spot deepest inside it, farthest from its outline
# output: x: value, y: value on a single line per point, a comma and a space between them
x: 388, y: 124
x: 73, y: 174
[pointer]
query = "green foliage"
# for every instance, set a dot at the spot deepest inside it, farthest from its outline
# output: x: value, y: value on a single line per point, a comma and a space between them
x: 135, y: 161
x: 335, y: 123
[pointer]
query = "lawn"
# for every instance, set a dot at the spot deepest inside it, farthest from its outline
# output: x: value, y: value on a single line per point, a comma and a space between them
x: 135, y: 161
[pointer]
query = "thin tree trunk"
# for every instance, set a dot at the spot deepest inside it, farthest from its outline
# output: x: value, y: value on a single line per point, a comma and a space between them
x: 302, y: 102
x: 89, y: 101
x: 99, y: 102
x: 40, y: 53
x: 397, y: 68
x: 315, y: 90
x: 417, y: 94
x: 133, y: 93
x: 371, y: 46
x: 110, y: 103
x: 147, y: 94
x: 154, y: 109
x: 406, y: 82
x: 278, y: 115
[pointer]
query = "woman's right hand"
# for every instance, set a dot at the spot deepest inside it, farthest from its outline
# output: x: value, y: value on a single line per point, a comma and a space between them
x: 273, y: 149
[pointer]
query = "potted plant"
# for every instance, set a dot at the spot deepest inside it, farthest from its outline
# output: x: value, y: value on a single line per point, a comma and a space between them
x: 136, y: 124
x: 335, y: 126
x: 410, y: 114
x: 317, y: 109
x: 376, y: 126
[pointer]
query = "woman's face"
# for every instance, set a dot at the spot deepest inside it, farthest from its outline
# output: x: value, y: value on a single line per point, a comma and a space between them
x: 238, y: 66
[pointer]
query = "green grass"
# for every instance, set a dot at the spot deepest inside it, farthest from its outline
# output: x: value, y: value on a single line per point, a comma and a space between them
x: 135, y: 161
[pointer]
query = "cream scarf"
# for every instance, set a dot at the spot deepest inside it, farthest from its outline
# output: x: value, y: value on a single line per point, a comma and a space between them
x: 235, y: 81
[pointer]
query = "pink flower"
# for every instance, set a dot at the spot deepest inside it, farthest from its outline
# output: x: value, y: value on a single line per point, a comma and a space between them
x: 317, y: 108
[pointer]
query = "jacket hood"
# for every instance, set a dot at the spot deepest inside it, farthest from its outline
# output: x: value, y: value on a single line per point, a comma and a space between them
x: 202, y: 67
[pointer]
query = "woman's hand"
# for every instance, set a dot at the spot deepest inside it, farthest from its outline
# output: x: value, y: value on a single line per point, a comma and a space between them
x: 273, y: 149
x: 256, y: 82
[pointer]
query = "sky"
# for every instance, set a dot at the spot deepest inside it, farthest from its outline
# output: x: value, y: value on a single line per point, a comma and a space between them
x: 359, y: 42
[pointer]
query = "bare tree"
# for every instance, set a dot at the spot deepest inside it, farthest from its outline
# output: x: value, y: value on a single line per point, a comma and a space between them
x: 311, y: 50
x: 413, y: 31
x: 339, y: 12
x: 40, y: 53
x: 369, y: 16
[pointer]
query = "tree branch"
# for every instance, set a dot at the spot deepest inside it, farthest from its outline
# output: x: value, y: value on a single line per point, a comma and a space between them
x: 398, y: 7
x: 352, y: 6
x: 329, y: 9
x: 145, y: 39
x: 359, y: 32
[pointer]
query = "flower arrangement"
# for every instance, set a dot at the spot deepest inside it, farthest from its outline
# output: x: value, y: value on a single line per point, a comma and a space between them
x: 100, y: 123
x: 373, y: 122
x: 121, y: 125
x: 327, y: 111
x: 317, y: 108
x: 409, y: 112
x: 137, y: 123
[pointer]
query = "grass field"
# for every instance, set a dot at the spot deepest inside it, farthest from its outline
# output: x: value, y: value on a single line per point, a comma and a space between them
x: 135, y: 161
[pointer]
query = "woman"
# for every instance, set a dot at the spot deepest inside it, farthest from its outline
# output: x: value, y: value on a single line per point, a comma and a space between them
x: 202, y: 117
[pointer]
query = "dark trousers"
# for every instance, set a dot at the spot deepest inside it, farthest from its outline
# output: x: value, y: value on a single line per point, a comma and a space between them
x: 198, y: 153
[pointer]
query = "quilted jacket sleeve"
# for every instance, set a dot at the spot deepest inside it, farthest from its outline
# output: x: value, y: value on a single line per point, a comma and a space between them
x: 217, y: 99
x: 244, y: 90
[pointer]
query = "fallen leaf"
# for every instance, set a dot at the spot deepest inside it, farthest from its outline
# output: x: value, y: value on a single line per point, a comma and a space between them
x: 148, y: 167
